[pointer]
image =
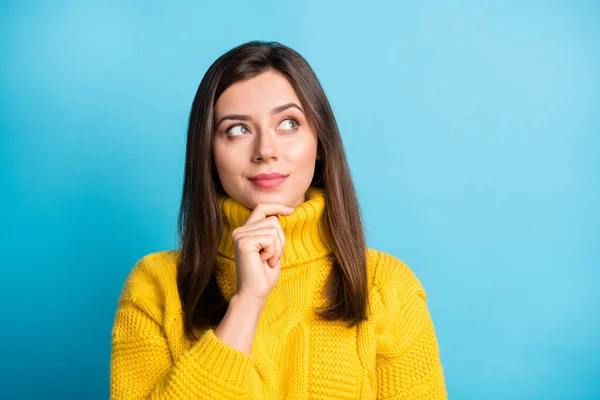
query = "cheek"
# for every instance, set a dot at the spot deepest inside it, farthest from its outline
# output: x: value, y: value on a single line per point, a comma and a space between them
x: 226, y: 160
x: 302, y: 154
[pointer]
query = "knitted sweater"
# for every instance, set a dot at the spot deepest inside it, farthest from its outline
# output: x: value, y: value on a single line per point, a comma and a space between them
x: 295, y: 355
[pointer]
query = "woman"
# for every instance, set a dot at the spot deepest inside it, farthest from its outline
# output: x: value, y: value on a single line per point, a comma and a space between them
x: 273, y: 293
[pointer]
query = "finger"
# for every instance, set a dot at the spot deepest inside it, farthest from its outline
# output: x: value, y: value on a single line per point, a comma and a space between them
x: 266, y: 230
x: 265, y: 210
x: 267, y: 222
x: 272, y: 252
x: 256, y: 243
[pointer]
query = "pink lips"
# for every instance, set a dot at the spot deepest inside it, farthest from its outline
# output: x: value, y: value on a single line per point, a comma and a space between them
x: 268, y: 181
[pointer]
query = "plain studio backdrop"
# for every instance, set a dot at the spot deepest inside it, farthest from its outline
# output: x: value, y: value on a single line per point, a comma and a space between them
x: 472, y: 131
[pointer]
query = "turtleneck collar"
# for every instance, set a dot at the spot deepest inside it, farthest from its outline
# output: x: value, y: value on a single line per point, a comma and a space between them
x: 305, y: 230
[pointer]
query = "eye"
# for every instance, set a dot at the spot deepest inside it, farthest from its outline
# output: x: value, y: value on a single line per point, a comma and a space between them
x: 236, y: 130
x: 289, y: 124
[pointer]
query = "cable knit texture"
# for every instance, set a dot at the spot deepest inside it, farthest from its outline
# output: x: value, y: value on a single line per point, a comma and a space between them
x: 295, y: 355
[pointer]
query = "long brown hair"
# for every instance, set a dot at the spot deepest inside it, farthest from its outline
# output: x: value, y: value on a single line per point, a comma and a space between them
x: 200, y: 221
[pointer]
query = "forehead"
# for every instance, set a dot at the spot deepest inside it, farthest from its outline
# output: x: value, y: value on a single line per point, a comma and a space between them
x: 257, y: 95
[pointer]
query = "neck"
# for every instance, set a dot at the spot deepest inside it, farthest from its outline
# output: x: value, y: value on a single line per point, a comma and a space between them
x: 305, y: 230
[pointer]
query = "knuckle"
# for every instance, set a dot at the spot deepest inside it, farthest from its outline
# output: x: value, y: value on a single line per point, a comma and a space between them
x: 243, y: 241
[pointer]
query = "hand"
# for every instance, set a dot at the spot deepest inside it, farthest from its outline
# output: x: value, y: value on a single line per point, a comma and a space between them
x: 258, y: 248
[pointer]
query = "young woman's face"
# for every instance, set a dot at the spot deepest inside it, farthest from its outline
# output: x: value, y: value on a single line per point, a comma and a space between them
x: 261, y: 128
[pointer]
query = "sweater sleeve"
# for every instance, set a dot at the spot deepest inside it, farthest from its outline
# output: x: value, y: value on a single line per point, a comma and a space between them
x: 142, y: 366
x: 408, y: 360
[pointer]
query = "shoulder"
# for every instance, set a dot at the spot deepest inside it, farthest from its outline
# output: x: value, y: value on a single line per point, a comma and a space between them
x: 391, y: 277
x: 152, y: 280
x: 398, y: 303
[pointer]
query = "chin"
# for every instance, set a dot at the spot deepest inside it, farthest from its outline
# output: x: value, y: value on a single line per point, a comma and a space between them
x: 269, y: 197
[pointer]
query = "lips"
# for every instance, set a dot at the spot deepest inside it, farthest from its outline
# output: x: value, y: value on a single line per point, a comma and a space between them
x: 263, y: 177
x: 268, y: 181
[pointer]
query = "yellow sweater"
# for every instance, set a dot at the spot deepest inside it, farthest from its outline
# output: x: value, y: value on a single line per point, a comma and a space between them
x: 295, y: 355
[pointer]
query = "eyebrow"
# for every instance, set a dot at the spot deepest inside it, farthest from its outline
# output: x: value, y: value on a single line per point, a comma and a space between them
x: 243, y: 117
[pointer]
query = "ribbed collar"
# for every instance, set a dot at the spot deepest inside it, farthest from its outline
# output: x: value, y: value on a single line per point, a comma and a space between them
x: 305, y: 230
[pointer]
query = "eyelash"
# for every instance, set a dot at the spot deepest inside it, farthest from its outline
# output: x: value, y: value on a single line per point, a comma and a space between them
x: 285, y: 119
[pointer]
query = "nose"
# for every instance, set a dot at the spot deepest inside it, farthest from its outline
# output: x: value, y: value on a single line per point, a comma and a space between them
x: 265, y: 147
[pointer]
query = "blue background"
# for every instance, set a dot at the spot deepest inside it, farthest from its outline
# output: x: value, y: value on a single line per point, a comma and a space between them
x: 472, y: 130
